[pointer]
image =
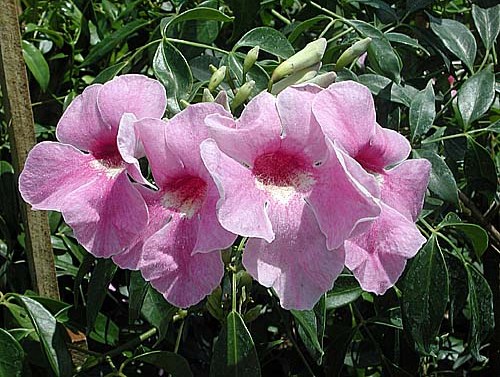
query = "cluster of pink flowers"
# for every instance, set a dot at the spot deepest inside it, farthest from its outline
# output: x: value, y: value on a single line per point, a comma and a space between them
x: 308, y: 176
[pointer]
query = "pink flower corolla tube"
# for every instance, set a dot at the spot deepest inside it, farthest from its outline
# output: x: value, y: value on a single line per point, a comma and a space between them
x: 346, y: 113
x: 292, y: 192
x: 179, y: 250
x: 84, y: 175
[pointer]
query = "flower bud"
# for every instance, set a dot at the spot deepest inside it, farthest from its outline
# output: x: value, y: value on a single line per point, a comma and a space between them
x: 250, y: 59
x: 324, y: 80
x: 217, y: 77
x: 221, y: 99
x: 308, y: 56
x: 242, y: 94
x: 353, y: 52
x: 207, y: 96
x: 298, y: 77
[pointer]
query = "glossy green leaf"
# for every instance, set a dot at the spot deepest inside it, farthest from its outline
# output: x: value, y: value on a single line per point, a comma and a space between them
x: 380, y: 50
x: 487, y: 21
x: 104, y: 47
x: 479, y: 168
x: 457, y: 38
x: 157, y: 311
x: 458, y: 286
x: 109, y: 73
x: 105, y: 331
x: 234, y: 351
x: 425, y: 297
x: 51, y: 338
x: 385, y: 88
x: 199, y: 13
x: 36, y: 64
x: 171, y: 363
x: 172, y: 69
x: 305, y: 25
x: 405, y: 40
x: 422, y: 111
x: 269, y: 40
x: 11, y: 355
x: 100, y: 279
x: 442, y: 182
x: 307, y: 321
x: 345, y: 290
x: 481, y: 308
x: 476, y: 95
x: 138, y: 288
x: 477, y: 235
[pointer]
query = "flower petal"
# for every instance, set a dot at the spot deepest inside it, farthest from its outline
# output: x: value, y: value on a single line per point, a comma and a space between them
x: 106, y: 214
x: 81, y: 124
x: 296, y: 264
x: 242, y: 206
x: 339, y: 198
x: 346, y: 113
x: 135, y: 94
x: 404, y: 187
x: 386, y: 147
x: 377, y: 258
x: 302, y: 132
x: 52, y: 171
x: 167, y: 262
x: 256, y: 132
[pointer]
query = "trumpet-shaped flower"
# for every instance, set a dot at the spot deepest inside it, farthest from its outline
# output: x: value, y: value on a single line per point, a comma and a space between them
x: 179, y: 250
x: 346, y: 113
x: 295, y: 194
x: 84, y: 175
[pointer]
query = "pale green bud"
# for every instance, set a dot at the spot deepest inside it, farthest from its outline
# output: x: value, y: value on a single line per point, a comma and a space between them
x: 352, y: 53
x: 184, y: 103
x: 296, y: 78
x: 251, y: 58
x: 324, y: 80
x: 207, y: 96
x: 212, y: 68
x: 217, y: 77
x: 242, y: 94
x: 308, y: 56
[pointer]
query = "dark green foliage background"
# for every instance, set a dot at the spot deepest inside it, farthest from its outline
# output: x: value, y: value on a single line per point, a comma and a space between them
x: 438, y: 320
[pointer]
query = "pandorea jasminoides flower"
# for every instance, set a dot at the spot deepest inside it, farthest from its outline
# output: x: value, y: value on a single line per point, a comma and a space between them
x: 85, y: 174
x: 346, y: 113
x: 179, y: 250
x: 291, y: 191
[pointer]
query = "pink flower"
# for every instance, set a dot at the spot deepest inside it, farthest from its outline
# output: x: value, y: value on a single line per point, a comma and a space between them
x: 179, y: 250
x: 91, y: 188
x: 346, y: 113
x: 295, y: 194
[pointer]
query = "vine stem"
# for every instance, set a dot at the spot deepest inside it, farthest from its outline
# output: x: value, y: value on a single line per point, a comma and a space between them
x: 196, y: 44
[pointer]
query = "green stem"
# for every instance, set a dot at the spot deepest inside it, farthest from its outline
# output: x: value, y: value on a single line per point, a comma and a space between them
x: 234, y: 291
x: 280, y: 17
x: 196, y: 44
x: 179, y: 336
x: 327, y: 11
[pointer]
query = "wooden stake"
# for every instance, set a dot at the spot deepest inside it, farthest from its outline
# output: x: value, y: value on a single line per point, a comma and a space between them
x: 17, y: 105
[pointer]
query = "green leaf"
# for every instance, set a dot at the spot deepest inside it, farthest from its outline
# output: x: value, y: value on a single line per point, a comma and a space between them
x: 11, y: 355
x: 425, y: 297
x: 477, y: 235
x: 51, y: 338
x: 269, y: 40
x: 234, y: 61
x: 234, y: 351
x: 494, y: 127
x: 380, y: 50
x: 109, y: 73
x: 138, y: 288
x: 100, y: 279
x: 157, y: 311
x: 479, y: 168
x: 487, y: 22
x: 36, y: 64
x: 422, y: 111
x: 476, y: 95
x: 458, y: 286
x: 199, y: 13
x: 457, y: 38
x: 305, y: 25
x: 345, y: 290
x: 307, y: 321
x: 481, y: 307
x: 441, y: 182
x: 170, y: 362
x: 405, y: 40
x: 109, y: 42
x: 172, y: 69
x: 385, y: 88
x: 105, y: 330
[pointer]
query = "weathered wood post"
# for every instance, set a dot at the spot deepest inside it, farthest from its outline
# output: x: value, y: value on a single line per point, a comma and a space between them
x: 17, y: 105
